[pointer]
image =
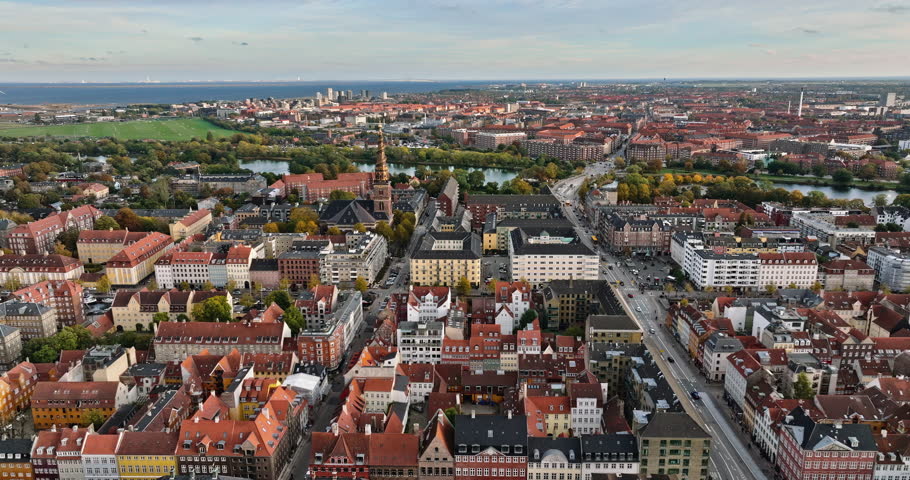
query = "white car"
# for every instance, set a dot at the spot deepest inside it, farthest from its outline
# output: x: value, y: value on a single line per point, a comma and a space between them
x: 638, y: 309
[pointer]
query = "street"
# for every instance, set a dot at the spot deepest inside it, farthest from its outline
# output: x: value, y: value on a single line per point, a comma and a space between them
x: 730, y: 456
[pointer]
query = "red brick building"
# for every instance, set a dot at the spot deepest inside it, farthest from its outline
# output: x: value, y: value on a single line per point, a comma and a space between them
x: 810, y: 450
x: 447, y: 202
x: 64, y: 296
x: 38, y: 237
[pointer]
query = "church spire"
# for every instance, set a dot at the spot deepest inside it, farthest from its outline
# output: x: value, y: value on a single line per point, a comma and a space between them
x: 382, y: 168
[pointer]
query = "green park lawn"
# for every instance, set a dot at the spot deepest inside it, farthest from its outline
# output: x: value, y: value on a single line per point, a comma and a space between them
x: 175, y: 130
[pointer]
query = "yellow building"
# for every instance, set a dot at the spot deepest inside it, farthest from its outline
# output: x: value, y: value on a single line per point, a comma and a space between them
x: 146, y: 455
x: 135, y: 262
x: 76, y: 403
x: 253, y: 395
x: 191, y: 224
x: 98, y: 246
x: 444, y: 258
x: 548, y: 416
x: 612, y: 329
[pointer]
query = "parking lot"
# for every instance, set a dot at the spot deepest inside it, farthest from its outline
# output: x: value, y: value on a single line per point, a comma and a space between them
x: 495, y: 268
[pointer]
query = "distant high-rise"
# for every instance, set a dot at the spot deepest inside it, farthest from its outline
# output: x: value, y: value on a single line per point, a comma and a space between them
x: 330, y: 93
x: 385, y: 95
x: 350, y: 94
x: 889, y: 99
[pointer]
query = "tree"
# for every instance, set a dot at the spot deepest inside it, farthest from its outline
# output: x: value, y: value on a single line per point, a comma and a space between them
x: 284, y: 284
x: 728, y: 289
x: 333, y: 231
x: 280, y: 297
x: 361, y: 285
x: 247, y: 300
x: 184, y: 286
x: 294, y: 319
x: 207, y: 286
x: 802, y: 387
x: 12, y: 283
x: 160, y: 317
x: 791, y: 285
x: 383, y: 228
x: 527, y: 318
x: 575, y: 331
x: 341, y: 195
x: 463, y: 287
x: 451, y: 413
x: 128, y: 219
x: 104, y: 284
x: 360, y: 228
x: 771, y: 288
x: 214, y: 309
x: 817, y: 286
x: 270, y: 228
x: 314, y: 281
x: 69, y: 239
x: 231, y: 285
x: 152, y: 285
x: 93, y: 417
x: 842, y: 176
x: 880, y: 200
x: 106, y: 223
x: 60, y: 249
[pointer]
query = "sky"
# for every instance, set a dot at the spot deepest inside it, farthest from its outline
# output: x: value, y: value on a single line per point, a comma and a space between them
x: 272, y: 40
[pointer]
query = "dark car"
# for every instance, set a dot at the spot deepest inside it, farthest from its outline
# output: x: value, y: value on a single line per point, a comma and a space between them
x: 631, y: 296
x: 670, y: 359
x: 696, y: 396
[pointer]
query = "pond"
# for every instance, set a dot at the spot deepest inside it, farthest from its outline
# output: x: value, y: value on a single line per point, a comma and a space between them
x: 279, y: 167
x: 848, y: 193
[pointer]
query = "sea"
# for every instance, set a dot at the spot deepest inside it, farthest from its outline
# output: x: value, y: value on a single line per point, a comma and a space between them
x: 121, y: 94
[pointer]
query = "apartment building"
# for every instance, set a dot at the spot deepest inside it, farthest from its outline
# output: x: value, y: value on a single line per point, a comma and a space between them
x: 97, y: 246
x: 331, y: 327
x: 237, y: 263
x: 10, y: 351
x: 591, y: 151
x: 75, y: 403
x: 57, y: 453
x: 146, y: 455
x: 177, y: 340
x: 511, y: 206
x: 492, y: 141
x: 613, y: 329
x: 674, y: 444
x: 892, y: 269
x: 835, y: 229
x: 784, y: 270
x: 38, y: 237
x: 549, y: 456
x: 15, y: 458
x: 63, y: 296
x: 361, y: 255
x: 542, y: 255
x: 479, y: 438
x: 447, y: 202
x: 136, y: 261
x: 814, y: 450
x: 30, y: 269
x: 420, y: 342
x: 628, y: 235
x: 33, y: 320
x: 99, y: 458
x: 847, y: 275
x: 191, y: 224
x: 610, y: 454
x: 443, y: 258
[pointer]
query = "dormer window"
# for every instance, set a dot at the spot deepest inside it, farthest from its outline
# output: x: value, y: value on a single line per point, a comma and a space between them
x: 519, y: 449
x: 505, y: 449
x: 475, y: 448
x: 536, y: 454
x: 462, y: 449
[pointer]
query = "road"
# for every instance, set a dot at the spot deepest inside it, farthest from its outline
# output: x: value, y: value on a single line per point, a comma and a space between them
x: 730, y: 456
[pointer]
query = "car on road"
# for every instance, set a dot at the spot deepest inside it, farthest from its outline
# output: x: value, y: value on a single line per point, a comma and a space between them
x: 631, y: 296
x: 638, y: 309
x: 651, y: 330
x: 670, y: 359
x: 696, y: 395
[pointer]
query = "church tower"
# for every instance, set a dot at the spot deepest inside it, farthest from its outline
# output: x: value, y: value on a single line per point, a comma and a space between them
x: 382, y: 187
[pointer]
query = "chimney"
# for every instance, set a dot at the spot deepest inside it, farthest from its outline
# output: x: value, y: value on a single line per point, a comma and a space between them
x: 217, y: 419
x: 510, y: 414
x: 195, y: 419
x: 884, y: 433
x: 416, y: 428
x: 367, y: 429
x: 473, y: 414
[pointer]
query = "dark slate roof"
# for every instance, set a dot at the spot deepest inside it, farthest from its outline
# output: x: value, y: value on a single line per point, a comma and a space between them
x: 521, y: 245
x: 548, y: 223
x: 491, y: 431
x: 17, y: 308
x: 612, y: 322
x: 817, y: 436
x: 674, y: 425
x: 611, y: 446
x: 548, y: 200
x: 351, y: 212
x: 264, y: 264
x: 21, y: 446
x: 470, y: 248
x: 540, y: 447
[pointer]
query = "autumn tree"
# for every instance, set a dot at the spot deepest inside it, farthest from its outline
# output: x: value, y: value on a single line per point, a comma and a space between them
x: 214, y: 309
x: 802, y: 387
x: 106, y: 223
x: 463, y: 287
x: 361, y: 285
x: 104, y: 284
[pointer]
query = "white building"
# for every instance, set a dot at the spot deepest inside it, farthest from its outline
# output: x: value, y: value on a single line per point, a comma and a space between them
x: 717, y: 348
x: 98, y: 458
x: 420, y: 342
x: 785, y: 269
x: 892, y: 268
x: 551, y: 457
x: 428, y: 304
x: 610, y: 453
x: 512, y: 301
x: 707, y: 268
x: 740, y: 368
x: 824, y: 227
x: 544, y: 254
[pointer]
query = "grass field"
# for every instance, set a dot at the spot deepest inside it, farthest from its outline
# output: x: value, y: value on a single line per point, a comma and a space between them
x: 182, y: 129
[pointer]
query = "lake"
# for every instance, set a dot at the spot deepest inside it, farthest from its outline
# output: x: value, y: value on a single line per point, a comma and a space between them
x: 279, y: 167
x: 848, y: 193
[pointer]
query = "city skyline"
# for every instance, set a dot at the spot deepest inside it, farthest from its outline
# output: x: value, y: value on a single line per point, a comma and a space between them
x: 317, y: 40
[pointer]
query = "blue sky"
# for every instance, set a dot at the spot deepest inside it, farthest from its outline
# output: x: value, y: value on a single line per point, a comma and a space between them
x: 169, y: 40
